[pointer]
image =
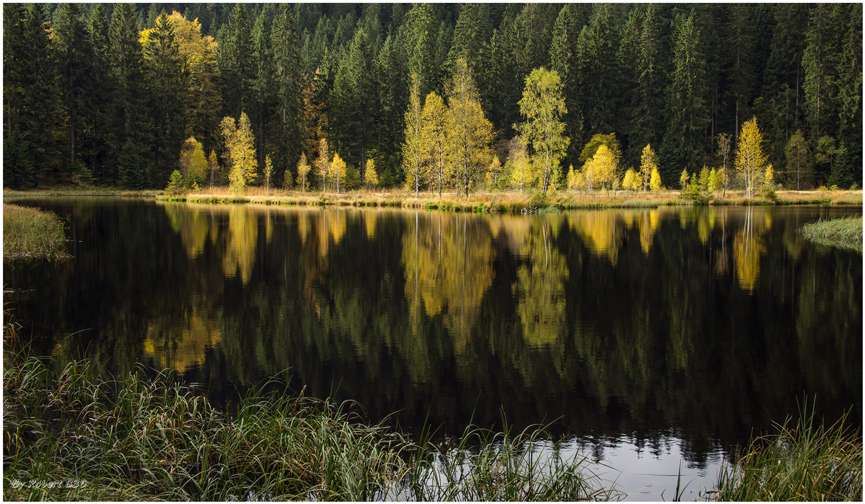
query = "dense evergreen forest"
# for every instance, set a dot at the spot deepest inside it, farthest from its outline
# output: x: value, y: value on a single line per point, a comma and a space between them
x: 110, y: 93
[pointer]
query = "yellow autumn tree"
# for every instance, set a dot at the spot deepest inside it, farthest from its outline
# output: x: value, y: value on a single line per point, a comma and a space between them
x: 371, y: 176
x: 268, y: 171
x: 604, y: 167
x: 434, y: 135
x: 322, y: 164
x: 240, y: 152
x: 750, y: 160
x: 543, y: 106
x: 193, y: 164
x: 470, y: 131
x: 648, y: 162
x: 302, y: 171
x: 520, y: 168
x: 412, y: 149
x: 337, y: 170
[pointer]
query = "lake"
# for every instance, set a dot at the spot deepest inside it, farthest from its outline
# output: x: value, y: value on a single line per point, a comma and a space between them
x: 649, y: 339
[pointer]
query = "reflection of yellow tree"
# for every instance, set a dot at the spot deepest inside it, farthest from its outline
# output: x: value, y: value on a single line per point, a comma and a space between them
x: 748, y: 246
x: 648, y: 223
x: 192, y: 225
x: 240, y: 243
x: 599, y: 231
x: 183, y: 345
x: 541, y: 288
x: 448, y: 265
x: 516, y: 229
x: 333, y: 225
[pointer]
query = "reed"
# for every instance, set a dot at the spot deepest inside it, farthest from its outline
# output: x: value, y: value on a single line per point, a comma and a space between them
x: 801, y: 462
x: 843, y: 232
x: 72, y: 434
x: 29, y: 233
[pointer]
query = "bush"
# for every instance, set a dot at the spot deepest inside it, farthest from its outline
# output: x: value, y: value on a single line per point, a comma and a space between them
x: 176, y: 185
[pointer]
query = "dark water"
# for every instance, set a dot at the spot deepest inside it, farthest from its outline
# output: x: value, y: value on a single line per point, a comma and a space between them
x: 652, y: 328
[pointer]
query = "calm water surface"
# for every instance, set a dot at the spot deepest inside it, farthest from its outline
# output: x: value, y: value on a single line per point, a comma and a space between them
x: 656, y: 337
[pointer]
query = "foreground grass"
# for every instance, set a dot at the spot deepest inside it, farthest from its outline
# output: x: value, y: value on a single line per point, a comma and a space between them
x: 70, y: 435
x: 802, y: 462
x: 29, y: 233
x: 843, y: 232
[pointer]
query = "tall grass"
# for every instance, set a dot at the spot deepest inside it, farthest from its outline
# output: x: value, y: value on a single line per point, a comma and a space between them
x: 29, y: 233
x: 843, y: 232
x: 801, y: 462
x: 150, y: 438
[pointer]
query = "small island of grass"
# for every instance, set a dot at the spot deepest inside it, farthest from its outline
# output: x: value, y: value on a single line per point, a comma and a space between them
x: 844, y: 232
x: 29, y: 233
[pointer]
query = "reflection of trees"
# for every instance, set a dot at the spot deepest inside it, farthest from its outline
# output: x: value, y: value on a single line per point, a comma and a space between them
x: 181, y: 346
x: 659, y: 339
x: 541, y: 287
x: 447, y: 260
x: 748, y: 246
x: 240, y: 243
x: 193, y: 223
x: 600, y: 232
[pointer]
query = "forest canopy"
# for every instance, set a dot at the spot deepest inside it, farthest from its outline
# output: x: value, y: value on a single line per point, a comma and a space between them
x: 110, y: 94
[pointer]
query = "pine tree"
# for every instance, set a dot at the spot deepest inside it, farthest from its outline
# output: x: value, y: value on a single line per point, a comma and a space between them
x: 686, y: 101
x: 75, y: 68
x: 235, y: 59
x: 164, y: 66
x: 818, y: 62
x: 128, y: 108
x: 798, y: 159
x: 649, y: 105
x: 421, y: 46
x: 289, y: 88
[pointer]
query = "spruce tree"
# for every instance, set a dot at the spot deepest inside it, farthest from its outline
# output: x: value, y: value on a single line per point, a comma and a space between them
x: 288, y: 84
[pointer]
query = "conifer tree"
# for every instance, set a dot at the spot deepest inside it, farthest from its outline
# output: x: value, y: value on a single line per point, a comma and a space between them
x: 798, y: 159
x: 687, y: 114
x: 75, y: 57
x: 235, y: 59
x: 288, y: 86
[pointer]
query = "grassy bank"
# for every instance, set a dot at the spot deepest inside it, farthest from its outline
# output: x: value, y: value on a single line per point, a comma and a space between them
x: 71, y: 435
x: 29, y: 233
x: 844, y: 232
x: 503, y: 202
x: 510, y: 202
x: 801, y: 462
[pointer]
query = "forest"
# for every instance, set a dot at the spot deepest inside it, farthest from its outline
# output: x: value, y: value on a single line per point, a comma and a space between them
x: 125, y: 94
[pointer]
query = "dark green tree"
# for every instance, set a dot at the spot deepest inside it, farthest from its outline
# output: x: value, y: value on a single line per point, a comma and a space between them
x: 235, y: 59
x: 75, y: 58
x: 128, y: 132
x: 288, y: 83
x: 687, y: 114
x: 165, y: 69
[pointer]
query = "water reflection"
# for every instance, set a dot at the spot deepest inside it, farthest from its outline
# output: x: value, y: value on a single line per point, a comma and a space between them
x: 701, y: 322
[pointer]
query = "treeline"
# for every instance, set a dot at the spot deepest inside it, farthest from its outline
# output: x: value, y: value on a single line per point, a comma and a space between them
x: 110, y: 94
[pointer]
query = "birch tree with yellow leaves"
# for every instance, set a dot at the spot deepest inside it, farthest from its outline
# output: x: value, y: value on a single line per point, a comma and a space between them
x: 240, y: 152
x: 750, y: 160
x: 470, y: 131
x: 542, y: 106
